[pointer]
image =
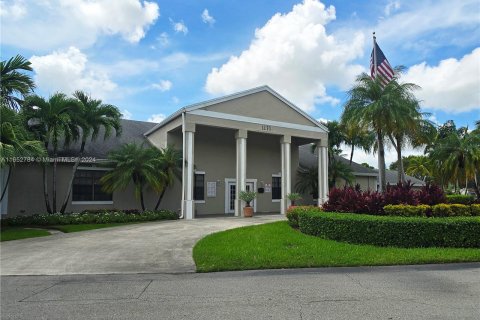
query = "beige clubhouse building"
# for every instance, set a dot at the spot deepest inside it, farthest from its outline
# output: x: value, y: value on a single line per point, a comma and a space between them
x: 244, y: 141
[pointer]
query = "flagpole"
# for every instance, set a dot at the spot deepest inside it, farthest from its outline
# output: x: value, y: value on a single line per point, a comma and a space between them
x: 374, y: 54
x: 380, y: 180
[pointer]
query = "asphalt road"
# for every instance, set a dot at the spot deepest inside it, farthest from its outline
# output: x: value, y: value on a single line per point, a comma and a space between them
x: 402, y: 292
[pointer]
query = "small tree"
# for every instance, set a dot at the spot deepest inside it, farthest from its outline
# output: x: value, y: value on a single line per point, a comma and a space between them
x: 247, y: 196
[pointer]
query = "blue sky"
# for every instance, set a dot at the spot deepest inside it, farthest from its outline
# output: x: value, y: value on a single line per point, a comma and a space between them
x: 150, y: 58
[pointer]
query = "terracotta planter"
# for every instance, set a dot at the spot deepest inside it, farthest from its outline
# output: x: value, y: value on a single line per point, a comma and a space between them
x: 248, y: 212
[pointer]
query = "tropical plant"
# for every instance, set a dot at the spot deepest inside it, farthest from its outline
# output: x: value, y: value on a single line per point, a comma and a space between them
x: 91, y: 118
x: 15, y: 85
x: 294, y: 197
x: 247, y: 196
x: 169, y: 167
x: 375, y: 105
x: 307, y: 181
x: 15, y: 142
x: 132, y: 163
x: 458, y: 154
x: 419, y: 167
x: 52, y: 122
x: 357, y: 136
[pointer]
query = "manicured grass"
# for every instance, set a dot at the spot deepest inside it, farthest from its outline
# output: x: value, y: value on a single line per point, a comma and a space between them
x: 84, y: 227
x: 15, y: 233
x: 277, y: 245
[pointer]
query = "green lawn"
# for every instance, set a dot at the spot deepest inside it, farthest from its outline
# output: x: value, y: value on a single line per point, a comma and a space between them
x: 15, y: 233
x: 277, y: 245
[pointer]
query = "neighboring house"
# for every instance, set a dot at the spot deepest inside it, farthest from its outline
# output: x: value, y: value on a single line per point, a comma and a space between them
x: 245, y: 141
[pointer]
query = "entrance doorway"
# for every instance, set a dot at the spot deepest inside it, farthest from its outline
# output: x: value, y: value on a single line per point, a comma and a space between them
x: 230, y: 189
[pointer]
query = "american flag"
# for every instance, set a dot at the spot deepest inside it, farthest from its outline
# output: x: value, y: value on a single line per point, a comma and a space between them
x: 383, y: 66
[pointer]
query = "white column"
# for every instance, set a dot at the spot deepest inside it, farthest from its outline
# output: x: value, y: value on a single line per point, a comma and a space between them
x: 241, y: 172
x: 322, y: 172
x: 286, y: 172
x: 189, y: 204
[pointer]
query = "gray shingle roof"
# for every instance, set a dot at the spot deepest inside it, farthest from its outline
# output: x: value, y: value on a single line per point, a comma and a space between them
x: 132, y: 131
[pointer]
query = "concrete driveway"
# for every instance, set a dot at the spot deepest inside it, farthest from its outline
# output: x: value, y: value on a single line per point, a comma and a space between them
x: 155, y: 247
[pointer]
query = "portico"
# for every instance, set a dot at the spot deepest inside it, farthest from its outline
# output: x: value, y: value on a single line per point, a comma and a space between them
x: 247, y: 140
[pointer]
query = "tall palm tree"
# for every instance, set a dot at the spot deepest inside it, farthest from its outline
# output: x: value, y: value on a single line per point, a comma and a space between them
x: 356, y: 136
x: 52, y: 123
x: 459, y: 155
x: 15, y: 141
x: 15, y: 85
x: 169, y: 169
x: 373, y: 104
x: 132, y: 163
x: 91, y: 118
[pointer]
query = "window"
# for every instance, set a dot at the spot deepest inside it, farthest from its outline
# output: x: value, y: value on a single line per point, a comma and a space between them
x: 276, y: 187
x: 87, y: 187
x: 199, y: 186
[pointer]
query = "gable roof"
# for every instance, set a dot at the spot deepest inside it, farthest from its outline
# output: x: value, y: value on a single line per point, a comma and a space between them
x: 237, y: 95
x: 132, y: 131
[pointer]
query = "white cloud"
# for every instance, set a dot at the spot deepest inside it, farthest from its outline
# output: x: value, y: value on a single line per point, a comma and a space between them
x: 452, y: 86
x: 69, y: 70
x: 179, y: 27
x: 163, y: 85
x: 157, y: 118
x: 60, y: 23
x: 175, y: 100
x: 294, y: 55
x: 207, y: 18
x: 126, y: 114
x: 391, y: 7
x: 323, y: 120
x: 14, y: 10
x: 163, y: 39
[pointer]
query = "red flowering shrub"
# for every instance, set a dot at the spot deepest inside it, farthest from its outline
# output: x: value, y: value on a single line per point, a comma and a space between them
x: 354, y: 200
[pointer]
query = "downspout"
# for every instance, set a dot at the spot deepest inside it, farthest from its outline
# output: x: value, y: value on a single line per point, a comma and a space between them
x: 183, y: 167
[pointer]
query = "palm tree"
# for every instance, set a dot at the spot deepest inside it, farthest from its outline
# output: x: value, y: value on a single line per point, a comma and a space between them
x: 15, y: 85
x: 15, y: 141
x: 52, y: 123
x: 307, y: 181
x: 373, y: 105
x: 169, y: 168
x: 459, y: 155
x: 91, y: 117
x: 132, y: 163
x: 355, y: 135
x: 419, y: 167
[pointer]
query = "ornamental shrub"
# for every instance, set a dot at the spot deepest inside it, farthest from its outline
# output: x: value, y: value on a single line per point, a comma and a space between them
x: 430, y: 194
x: 293, y: 212
x: 420, y: 210
x: 475, y: 209
x: 401, y: 193
x: 89, y: 218
x: 460, y: 198
x: 450, y: 210
x: 409, y: 232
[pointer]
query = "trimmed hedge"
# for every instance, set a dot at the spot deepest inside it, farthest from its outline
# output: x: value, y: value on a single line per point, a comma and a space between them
x: 88, y: 218
x: 439, y: 210
x: 292, y: 213
x: 408, y: 232
x: 460, y: 198
x: 402, y: 210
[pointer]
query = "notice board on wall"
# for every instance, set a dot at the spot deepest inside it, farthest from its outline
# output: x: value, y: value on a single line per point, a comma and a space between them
x: 211, y: 189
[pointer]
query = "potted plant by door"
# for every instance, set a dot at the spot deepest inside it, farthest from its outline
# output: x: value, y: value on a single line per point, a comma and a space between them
x: 248, y: 196
x: 293, y: 197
